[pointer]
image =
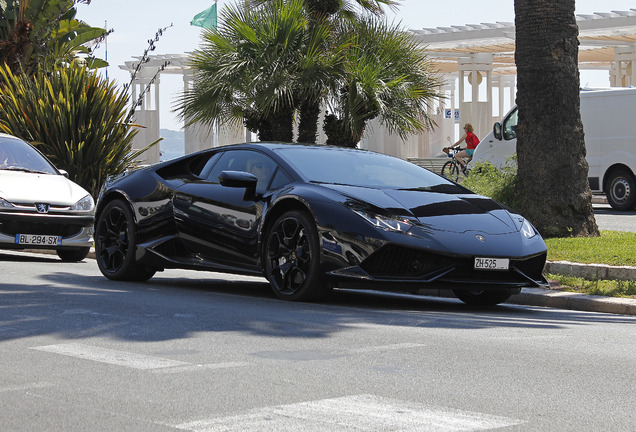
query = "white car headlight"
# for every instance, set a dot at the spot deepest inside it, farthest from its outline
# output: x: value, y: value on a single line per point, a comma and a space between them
x: 85, y: 204
x: 5, y: 204
x: 527, y: 229
x: 385, y: 222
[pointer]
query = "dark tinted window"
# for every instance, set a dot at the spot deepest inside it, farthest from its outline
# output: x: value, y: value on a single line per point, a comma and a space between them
x: 280, y: 179
x: 260, y: 165
x: 362, y: 168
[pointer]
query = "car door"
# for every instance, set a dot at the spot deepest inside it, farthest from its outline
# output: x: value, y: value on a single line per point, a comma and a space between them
x: 220, y: 223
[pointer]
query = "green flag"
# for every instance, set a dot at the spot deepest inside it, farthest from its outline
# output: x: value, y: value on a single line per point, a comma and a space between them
x: 205, y: 19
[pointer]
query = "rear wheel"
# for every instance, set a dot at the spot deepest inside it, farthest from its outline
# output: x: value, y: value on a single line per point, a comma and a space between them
x: 116, y: 242
x: 73, y: 255
x: 450, y: 170
x: 621, y: 190
x: 292, y: 258
x: 482, y: 297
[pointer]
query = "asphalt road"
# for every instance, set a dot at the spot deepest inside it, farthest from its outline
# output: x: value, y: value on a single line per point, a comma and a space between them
x: 192, y: 351
x: 612, y: 220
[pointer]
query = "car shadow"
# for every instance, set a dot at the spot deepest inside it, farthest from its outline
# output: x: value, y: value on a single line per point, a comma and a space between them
x: 174, y: 305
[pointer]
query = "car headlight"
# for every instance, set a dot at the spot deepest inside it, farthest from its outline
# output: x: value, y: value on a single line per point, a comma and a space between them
x: 85, y: 204
x: 387, y: 223
x: 5, y: 204
x: 527, y: 229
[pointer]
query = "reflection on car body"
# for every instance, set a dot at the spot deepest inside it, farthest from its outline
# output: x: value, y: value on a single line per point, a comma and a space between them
x: 319, y: 217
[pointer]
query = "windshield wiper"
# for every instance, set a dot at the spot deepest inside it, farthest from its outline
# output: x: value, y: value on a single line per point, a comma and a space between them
x: 23, y: 169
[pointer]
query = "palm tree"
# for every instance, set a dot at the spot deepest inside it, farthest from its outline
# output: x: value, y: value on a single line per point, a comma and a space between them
x: 552, y: 188
x: 36, y: 32
x: 265, y: 64
x: 316, y: 87
x: 386, y: 76
x: 253, y: 67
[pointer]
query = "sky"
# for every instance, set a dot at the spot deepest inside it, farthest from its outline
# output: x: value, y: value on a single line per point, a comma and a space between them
x: 134, y: 22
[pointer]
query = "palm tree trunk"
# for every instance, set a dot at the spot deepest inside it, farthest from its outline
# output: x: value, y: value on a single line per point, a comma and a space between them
x: 308, y: 125
x: 552, y: 187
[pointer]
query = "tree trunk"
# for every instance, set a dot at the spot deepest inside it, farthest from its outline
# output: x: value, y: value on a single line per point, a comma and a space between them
x: 552, y: 187
x: 308, y: 125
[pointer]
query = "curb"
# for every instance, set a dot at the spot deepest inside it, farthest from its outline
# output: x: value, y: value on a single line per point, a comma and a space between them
x: 591, y: 271
x: 574, y: 301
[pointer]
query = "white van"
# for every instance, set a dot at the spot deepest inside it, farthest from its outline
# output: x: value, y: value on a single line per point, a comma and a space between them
x: 609, y: 123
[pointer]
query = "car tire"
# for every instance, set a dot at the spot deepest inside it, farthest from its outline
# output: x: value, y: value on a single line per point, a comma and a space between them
x: 482, y: 297
x: 292, y: 258
x: 621, y: 190
x: 116, y: 242
x: 73, y: 255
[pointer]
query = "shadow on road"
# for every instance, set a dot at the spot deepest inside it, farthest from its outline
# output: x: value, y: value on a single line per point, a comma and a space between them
x: 179, y: 304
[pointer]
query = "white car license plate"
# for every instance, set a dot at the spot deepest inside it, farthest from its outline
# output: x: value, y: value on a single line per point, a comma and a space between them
x: 38, y: 240
x: 492, y: 263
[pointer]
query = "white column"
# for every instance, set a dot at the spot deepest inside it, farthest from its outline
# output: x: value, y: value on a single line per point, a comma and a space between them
x: 147, y: 114
x: 476, y: 70
x: 623, y: 72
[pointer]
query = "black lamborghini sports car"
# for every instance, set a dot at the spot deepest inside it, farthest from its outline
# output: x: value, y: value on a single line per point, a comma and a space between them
x: 310, y: 218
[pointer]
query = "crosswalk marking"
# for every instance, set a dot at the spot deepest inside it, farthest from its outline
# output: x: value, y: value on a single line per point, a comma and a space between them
x: 23, y: 387
x: 132, y: 360
x: 114, y: 357
x: 352, y: 413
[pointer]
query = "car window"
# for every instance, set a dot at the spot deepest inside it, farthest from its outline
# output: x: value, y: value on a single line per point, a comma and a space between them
x: 204, y: 172
x: 262, y: 166
x: 510, y: 126
x: 280, y: 179
x: 17, y: 155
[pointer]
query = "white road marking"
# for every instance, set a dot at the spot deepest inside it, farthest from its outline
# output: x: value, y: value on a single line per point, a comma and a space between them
x: 114, y: 357
x: 201, y: 367
x: 392, y: 347
x: 132, y: 360
x: 352, y: 413
x: 22, y: 387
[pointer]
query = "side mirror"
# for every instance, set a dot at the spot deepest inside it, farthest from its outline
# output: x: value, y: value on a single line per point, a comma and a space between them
x: 238, y: 179
x: 64, y: 173
x: 496, y: 130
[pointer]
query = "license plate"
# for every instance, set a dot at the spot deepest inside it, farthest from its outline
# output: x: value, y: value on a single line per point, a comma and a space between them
x: 38, y: 240
x: 492, y: 263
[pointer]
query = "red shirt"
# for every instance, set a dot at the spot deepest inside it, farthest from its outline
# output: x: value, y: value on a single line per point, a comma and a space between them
x: 471, y: 140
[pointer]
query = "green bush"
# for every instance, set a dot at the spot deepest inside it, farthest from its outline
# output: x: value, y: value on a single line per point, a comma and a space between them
x: 498, y: 184
x: 80, y: 121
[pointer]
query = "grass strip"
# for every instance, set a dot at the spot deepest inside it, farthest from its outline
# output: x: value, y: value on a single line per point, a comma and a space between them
x: 608, y: 288
x: 611, y: 248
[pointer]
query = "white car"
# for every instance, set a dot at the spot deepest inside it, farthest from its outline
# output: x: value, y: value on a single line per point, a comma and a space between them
x: 40, y: 208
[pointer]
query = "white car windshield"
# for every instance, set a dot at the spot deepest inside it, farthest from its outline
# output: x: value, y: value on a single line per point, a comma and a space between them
x: 17, y: 155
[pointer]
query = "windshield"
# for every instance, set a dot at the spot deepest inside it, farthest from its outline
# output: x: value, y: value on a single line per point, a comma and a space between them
x: 363, y: 168
x: 17, y: 155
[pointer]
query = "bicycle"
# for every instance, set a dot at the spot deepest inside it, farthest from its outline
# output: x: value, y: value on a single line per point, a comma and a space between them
x: 452, y: 169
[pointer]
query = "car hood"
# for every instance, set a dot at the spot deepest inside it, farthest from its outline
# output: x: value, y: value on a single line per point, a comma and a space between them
x: 436, y: 210
x: 21, y: 187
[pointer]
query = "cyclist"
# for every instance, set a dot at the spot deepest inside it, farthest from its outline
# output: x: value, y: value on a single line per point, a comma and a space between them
x: 471, y: 143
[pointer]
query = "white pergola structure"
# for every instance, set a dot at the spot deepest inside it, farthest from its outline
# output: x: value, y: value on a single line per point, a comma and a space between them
x: 478, y: 68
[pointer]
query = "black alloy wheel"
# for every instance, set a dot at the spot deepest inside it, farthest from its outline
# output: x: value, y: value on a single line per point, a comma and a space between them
x: 482, y: 297
x: 115, y: 243
x: 292, y: 258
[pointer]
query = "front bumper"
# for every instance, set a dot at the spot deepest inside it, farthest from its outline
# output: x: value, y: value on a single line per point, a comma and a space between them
x: 407, y: 269
x: 75, y: 230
